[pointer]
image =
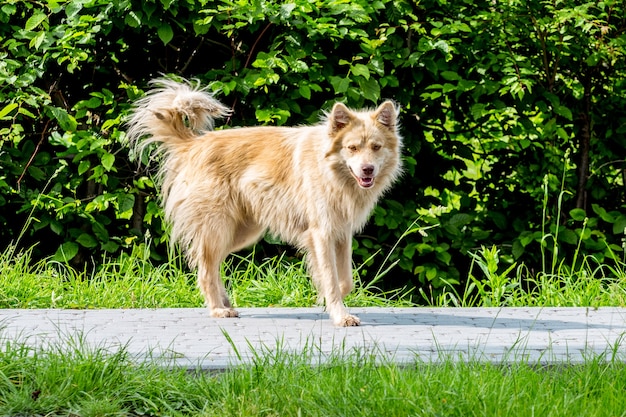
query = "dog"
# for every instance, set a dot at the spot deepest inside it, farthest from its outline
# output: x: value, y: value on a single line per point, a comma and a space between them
x: 311, y: 186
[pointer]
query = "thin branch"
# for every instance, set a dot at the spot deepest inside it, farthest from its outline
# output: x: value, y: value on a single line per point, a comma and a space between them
x: 601, y: 167
x: 256, y: 42
x: 191, y: 56
x: 248, y: 59
x: 32, y: 157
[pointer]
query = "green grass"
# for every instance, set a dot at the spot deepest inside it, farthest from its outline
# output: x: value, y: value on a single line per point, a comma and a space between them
x: 588, y: 284
x: 77, y: 381
x: 127, y: 282
x: 135, y: 282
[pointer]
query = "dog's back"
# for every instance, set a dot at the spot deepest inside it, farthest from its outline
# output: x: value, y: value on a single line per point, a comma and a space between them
x: 311, y: 186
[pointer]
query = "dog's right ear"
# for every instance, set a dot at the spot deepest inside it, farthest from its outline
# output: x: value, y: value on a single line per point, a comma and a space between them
x: 340, y: 117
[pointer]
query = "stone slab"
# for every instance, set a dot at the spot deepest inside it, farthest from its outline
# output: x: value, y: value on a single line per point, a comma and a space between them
x: 190, y: 338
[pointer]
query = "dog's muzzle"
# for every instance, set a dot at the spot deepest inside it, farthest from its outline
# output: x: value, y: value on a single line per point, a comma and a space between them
x: 366, y: 179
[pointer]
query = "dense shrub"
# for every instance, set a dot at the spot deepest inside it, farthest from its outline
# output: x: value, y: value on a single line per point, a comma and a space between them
x: 514, y: 117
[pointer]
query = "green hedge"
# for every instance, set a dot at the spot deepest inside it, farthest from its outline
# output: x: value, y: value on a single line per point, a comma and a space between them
x: 514, y: 117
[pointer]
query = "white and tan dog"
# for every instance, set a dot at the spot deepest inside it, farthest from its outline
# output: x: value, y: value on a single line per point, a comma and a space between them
x: 311, y: 186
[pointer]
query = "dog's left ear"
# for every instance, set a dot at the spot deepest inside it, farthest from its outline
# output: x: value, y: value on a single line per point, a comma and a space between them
x: 386, y: 114
x: 340, y: 117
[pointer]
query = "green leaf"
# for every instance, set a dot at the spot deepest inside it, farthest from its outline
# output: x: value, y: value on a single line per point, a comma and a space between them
x: 36, y: 172
x: 305, y: 91
x: 165, y: 32
x: 87, y: 241
x: 167, y: 3
x: 7, y: 109
x: 35, y: 20
x: 56, y: 227
x: 263, y: 115
x: 409, y: 250
x: 108, y: 160
x: 479, y: 110
x: 370, y: 89
x: 564, y: 112
x: 83, y: 166
x: 73, y: 8
x: 578, y: 214
x: 8, y: 9
x: 26, y: 113
x: 431, y: 273
x: 133, y: 20
x: 499, y: 219
x: 444, y: 257
x: 518, y: 249
x: 110, y: 246
x: 450, y: 76
x: 568, y: 236
x: 620, y: 225
x: 466, y: 85
x: 458, y: 221
x: 430, y: 65
x: 607, y: 217
x: 93, y: 103
x: 340, y: 85
x: 66, y: 252
x: 126, y: 202
x: 362, y: 70
x: 100, y: 232
x: 66, y: 121
x: 561, y: 133
x: 36, y: 41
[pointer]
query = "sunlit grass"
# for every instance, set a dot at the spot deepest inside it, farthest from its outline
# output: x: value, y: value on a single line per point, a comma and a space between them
x: 126, y: 282
x: 587, y: 284
x: 79, y: 381
x: 134, y: 281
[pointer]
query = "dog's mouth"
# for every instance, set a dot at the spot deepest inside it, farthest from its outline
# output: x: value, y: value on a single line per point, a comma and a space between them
x: 364, y: 181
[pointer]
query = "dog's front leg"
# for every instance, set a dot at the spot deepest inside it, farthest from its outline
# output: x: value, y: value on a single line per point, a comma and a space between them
x: 326, y: 258
x: 343, y: 259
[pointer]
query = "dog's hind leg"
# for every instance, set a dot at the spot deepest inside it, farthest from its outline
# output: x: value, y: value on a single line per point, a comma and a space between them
x: 210, y: 280
x: 213, y: 289
x: 216, y: 247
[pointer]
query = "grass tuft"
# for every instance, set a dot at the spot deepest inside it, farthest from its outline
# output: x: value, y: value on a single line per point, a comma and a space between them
x: 592, y: 284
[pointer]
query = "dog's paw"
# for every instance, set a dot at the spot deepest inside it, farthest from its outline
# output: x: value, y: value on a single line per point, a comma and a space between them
x: 224, y: 312
x: 348, y: 321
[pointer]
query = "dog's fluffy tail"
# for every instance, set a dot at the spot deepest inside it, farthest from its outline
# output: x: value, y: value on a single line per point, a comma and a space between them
x: 172, y: 112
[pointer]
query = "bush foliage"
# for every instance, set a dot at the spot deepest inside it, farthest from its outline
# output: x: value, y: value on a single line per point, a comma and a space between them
x: 514, y: 117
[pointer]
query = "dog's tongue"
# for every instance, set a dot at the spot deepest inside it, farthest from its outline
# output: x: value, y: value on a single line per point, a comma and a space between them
x: 366, y: 182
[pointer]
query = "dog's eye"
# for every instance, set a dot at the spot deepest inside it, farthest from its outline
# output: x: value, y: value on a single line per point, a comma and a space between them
x: 352, y: 148
x: 376, y: 147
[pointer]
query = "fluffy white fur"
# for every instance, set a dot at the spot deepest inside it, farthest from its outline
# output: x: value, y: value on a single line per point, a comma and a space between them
x: 312, y: 186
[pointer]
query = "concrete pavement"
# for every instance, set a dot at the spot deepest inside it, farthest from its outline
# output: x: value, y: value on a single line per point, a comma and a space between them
x: 190, y: 338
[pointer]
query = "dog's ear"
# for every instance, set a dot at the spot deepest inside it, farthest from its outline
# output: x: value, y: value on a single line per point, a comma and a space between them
x: 340, y: 117
x: 386, y: 114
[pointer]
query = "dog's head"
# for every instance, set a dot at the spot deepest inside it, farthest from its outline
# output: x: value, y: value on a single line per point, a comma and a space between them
x: 367, y: 142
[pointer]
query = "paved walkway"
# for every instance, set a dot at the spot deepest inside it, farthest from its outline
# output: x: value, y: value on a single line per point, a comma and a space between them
x: 188, y: 337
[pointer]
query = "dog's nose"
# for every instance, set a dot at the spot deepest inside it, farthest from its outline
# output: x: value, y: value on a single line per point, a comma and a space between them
x: 367, y: 169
